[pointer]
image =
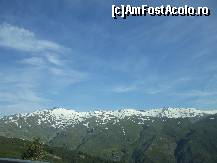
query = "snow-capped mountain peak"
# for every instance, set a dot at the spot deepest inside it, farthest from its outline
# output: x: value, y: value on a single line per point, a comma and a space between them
x: 61, y: 117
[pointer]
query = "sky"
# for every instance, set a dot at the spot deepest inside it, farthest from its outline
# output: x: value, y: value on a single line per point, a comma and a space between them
x: 73, y: 54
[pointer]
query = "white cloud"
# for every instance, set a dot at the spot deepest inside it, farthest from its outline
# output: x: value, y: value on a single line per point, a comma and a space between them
x: 36, y: 61
x: 151, y: 85
x: 24, y: 40
x: 24, y: 88
x: 54, y: 59
x: 197, y: 93
x: 123, y: 89
x: 68, y: 76
x: 20, y: 88
x: 23, y: 95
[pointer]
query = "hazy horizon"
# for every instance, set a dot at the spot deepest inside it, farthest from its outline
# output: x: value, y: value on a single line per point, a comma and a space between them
x: 104, y: 109
x: 75, y: 55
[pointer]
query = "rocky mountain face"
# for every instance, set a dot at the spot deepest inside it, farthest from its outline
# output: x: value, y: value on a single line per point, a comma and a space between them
x: 156, y: 135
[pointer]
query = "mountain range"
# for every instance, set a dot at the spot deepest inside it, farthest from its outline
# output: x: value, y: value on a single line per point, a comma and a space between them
x: 182, y: 135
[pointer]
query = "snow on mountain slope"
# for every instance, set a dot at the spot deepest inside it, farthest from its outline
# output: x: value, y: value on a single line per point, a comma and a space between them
x: 60, y: 117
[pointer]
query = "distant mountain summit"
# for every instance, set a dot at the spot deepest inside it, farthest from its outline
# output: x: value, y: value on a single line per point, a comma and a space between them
x: 175, y: 134
x: 61, y: 117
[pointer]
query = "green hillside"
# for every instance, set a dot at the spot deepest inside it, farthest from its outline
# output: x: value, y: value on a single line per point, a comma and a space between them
x: 200, y: 143
x: 162, y: 140
x: 156, y: 140
x: 14, y: 148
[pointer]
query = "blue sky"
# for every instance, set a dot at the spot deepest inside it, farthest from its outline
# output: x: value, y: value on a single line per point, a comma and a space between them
x: 71, y: 53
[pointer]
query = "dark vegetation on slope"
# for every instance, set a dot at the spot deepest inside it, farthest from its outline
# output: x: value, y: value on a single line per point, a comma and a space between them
x: 200, y: 143
x: 173, y: 143
x: 17, y: 148
x: 182, y: 140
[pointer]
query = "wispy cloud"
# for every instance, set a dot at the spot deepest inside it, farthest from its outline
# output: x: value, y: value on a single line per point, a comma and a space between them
x: 24, y: 40
x: 20, y: 88
x: 123, y: 89
x: 69, y: 76
x: 54, y: 59
x: 35, y: 61
x: 197, y: 98
x: 152, y: 85
x: 197, y: 93
x: 43, y: 66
